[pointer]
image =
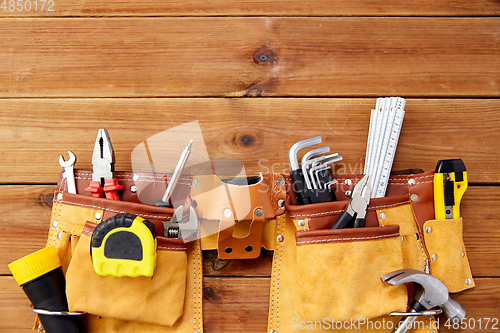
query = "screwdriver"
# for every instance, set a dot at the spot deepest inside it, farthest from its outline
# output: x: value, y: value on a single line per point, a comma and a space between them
x: 164, y: 202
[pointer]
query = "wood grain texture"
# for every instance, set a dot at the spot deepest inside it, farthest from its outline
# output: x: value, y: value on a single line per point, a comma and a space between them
x: 31, y: 207
x: 256, y: 56
x: 251, y: 8
x: 241, y: 305
x: 24, y: 221
x: 259, y: 132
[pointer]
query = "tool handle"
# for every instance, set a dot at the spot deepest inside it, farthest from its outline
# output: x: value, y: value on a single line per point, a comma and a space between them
x: 95, y: 188
x: 453, y: 310
x: 342, y: 221
x: 111, y: 188
x: 307, y: 196
x: 360, y: 223
x: 404, y: 325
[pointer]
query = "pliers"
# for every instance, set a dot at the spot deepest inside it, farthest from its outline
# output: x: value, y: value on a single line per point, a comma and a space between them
x: 103, y: 167
x: 354, y: 214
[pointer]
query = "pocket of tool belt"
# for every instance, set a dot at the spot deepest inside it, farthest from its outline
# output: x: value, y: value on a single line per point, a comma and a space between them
x: 157, y: 300
x: 339, y: 273
x: 448, y: 258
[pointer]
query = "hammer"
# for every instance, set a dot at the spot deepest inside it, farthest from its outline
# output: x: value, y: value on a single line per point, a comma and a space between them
x: 429, y: 292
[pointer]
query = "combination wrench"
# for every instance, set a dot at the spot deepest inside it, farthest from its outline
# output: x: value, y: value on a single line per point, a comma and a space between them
x: 68, y: 170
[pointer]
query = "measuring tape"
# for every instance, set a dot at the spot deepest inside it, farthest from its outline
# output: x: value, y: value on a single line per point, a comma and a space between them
x: 385, y: 126
x: 124, y: 245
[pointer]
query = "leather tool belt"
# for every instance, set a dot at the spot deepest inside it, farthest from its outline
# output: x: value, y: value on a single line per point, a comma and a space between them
x: 318, y: 274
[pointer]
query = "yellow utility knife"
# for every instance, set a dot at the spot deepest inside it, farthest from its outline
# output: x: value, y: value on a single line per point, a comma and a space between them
x: 450, y: 183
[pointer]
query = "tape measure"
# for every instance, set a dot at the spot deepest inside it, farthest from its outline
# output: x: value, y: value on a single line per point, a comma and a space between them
x: 450, y: 183
x: 124, y: 245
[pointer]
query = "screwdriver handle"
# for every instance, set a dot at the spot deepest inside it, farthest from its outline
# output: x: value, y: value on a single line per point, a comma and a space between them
x: 95, y: 188
x: 111, y: 188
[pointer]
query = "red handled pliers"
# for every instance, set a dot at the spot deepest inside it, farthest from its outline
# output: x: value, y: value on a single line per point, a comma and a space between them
x: 103, y: 166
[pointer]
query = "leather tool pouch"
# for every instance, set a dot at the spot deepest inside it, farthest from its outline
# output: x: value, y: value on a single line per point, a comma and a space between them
x: 169, y: 301
x: 237, y: 217
x: 318, y: 274
x: 325, y: 279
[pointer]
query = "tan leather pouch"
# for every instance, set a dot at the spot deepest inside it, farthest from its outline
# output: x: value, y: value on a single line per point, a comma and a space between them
x: 322, y: 278
x: 339, y: 272
x: 449, y: 263
x: 170, y: 301
x: 129, y: 298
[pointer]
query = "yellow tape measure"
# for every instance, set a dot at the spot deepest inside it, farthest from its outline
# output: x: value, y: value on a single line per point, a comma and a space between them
x: 124, y: 245
x: 450, y: 183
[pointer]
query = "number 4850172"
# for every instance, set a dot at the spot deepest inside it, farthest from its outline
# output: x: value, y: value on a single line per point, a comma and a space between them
x: 27, y: 5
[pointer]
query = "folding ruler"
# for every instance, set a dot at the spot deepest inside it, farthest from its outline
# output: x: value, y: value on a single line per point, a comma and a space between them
x: 385, y: 126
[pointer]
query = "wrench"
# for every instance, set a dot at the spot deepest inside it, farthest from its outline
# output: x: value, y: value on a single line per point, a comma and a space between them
x: 292, y: 154
x: 68, y: 169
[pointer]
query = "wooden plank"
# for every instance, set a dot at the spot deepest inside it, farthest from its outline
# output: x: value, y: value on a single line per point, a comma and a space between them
x: 249, y: 8
x: 256, y: 56
x: 241, y: 305
x: 31, y: 207
x: 15, y: 314
x: 24, y: 221
x: 258, y: 132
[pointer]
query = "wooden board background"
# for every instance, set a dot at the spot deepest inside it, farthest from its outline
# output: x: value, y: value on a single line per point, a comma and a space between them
x: 140, y: 68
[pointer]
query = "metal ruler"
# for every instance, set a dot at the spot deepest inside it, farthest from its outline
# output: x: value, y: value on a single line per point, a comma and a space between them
x: 385, y: 126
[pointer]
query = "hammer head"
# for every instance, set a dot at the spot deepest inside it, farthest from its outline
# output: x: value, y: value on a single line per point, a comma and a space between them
x: 429, y: 292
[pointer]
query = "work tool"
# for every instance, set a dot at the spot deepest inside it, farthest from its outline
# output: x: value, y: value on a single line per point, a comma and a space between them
x: 294, y: 150
x: 181, y: 225
x: 307, y: 157
x: 124, y: 245
x: 429, y: 292
x: 450, y: 183
x: 68, y: 171
x: 309, y: 178
x: 41, y: 277
x: 355, y: 212
x: 164, y: 202
x: 103, y: 166
x: 385, y: 127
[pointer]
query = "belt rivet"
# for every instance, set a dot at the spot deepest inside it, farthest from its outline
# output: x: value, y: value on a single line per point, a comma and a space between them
x: 348, y: 182
x: 133, y: 189
x: 428, y: 230
x: 59, y: 235
x: 54, y: 224
x: 98, y: 216
x: 281, y: 202
x: 196, y: 183
x: 302, y: 223
x: 279, y: 239
x: 434, y: 257
x: 135, y: 177
x: 259, y: 212
x: 463, y: 254
x: 468, y: 282
x: 411, y: 182
x: 414, y: 197
x: 227, y: 212
x: 383, y: 216
x: 280, y: 181
x: 59, y: 196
